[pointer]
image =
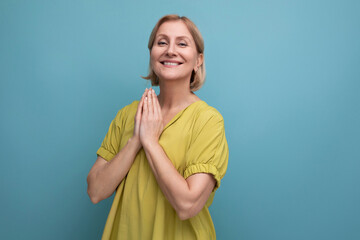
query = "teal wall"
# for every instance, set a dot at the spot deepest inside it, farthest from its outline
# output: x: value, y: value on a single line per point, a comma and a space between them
x: 284, y: 74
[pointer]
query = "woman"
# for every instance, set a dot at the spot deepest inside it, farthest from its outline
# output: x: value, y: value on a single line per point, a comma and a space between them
x: 164, y: 155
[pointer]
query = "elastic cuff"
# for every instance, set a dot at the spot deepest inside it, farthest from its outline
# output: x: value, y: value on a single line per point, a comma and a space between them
x: 204, y: 168
x: 105, y: 154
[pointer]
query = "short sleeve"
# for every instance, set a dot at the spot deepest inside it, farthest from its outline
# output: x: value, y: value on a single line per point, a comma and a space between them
x: 208, y: 151
x: 111, y: 143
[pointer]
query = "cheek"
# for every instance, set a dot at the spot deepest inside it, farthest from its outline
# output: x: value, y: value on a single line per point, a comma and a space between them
x: 154, y: 55
x: 155, y: 51
x: 192, y: 56
x: 152, y: 60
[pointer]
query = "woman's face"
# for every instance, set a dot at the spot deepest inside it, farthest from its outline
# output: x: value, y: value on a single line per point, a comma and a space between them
x: 174, y: 55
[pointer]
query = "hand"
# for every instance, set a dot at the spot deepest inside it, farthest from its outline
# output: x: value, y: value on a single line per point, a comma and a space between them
x: 136, y: 134
x: 151, y: 125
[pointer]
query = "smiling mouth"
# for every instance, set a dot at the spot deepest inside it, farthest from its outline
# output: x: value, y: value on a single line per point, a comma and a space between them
x: 170, y: 63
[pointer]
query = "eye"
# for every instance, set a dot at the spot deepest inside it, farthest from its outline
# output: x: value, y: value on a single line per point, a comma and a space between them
x: 161, y: 43
x: 182, y: 44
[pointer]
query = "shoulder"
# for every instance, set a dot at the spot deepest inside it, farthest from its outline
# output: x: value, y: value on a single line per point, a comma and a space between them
x: 205, y: 113
x: 127, y: 111
x: 206, y: 118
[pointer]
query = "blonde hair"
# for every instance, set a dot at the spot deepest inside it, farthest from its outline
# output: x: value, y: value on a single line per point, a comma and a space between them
x: 197, y: 78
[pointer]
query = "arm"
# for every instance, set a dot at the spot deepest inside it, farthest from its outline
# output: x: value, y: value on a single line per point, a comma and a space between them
x: 104, y: 176
x: 188, y: 196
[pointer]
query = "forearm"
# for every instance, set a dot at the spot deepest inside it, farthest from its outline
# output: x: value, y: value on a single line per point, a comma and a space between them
x: 172, y: 184
x: 103, y: 181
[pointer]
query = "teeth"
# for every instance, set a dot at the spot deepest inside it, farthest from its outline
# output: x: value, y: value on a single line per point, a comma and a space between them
x: 171, y: 63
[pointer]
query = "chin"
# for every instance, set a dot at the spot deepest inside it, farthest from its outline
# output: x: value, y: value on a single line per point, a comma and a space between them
x: 171, y: 78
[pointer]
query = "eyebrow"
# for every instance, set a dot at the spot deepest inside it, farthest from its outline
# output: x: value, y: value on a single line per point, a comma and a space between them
x: 163, y: 35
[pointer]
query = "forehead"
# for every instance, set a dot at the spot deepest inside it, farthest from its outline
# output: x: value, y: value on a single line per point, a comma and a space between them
x: 174, y: 29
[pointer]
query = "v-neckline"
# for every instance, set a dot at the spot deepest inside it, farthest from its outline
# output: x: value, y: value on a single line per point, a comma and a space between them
x: 177, y: 115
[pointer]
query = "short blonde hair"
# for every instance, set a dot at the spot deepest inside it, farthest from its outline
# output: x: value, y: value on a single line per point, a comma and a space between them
x: 197, y: 78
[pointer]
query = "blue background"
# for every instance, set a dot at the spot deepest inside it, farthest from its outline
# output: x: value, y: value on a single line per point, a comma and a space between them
x: 284, y: 75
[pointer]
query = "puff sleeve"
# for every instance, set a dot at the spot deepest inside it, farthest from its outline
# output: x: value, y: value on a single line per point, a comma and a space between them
x: 208, y: 151
x: 111, y: 143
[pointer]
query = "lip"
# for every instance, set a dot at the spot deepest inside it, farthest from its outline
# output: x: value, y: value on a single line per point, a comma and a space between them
x: 170, y: 61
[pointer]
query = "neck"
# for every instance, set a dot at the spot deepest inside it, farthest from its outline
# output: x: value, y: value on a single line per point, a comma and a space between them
x: 175, y: 94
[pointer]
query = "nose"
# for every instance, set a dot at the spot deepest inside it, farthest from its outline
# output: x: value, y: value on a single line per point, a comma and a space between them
x: 171, y: 50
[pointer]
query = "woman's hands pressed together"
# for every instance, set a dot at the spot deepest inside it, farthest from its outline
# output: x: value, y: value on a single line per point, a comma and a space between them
x: 149, y: 122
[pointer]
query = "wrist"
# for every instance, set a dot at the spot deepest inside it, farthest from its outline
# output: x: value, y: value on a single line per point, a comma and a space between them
x: 150, y: 144
x: 135, y: 143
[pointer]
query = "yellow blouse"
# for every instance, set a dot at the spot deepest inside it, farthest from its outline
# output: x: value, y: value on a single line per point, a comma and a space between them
x: 194, y: 141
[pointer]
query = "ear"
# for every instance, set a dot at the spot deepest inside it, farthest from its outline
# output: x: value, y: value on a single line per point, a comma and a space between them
x: 199, y: 61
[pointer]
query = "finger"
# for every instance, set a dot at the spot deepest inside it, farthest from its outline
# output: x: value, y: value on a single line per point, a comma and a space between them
x: 157, y: 109
x: 151, y: 107
x: 142, y: 100
x: 145, y: 106
x: 140, y: 105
